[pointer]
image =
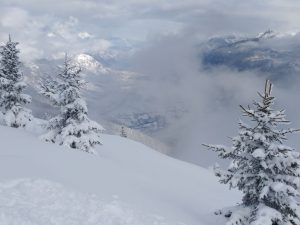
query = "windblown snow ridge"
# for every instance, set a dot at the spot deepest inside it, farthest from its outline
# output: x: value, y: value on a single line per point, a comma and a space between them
x: 37, y: 201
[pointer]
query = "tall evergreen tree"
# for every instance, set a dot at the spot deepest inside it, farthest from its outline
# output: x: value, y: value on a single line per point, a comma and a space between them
x: 263, y: 168
x: 12, y: 98
x: 71, y: 127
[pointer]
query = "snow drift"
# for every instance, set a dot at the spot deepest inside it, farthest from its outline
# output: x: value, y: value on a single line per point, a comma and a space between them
x: 125, y: 183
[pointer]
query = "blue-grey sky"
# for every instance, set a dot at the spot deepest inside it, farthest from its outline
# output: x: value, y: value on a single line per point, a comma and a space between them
x: 44, y: 26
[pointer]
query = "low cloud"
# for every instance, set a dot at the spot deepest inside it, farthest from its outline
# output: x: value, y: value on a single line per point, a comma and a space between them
x: 209, y: 99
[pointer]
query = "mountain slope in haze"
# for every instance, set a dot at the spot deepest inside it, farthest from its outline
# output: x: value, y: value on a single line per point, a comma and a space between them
x: 125, y: 183
x: 116, y: 95
x: 110, y: 93
x: 158, y: 104
x: 272, y: 55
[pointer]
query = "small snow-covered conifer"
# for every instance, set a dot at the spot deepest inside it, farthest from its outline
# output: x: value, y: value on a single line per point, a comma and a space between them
x: 71, y: 127
x: 123, y: 132
x: 12, y: 98
x: 263, y: 168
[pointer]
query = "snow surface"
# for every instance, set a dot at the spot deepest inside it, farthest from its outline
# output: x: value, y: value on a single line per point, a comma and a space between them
x: 89, y: 63
x: 125, y: 183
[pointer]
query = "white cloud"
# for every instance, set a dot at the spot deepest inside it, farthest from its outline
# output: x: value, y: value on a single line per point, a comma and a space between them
x: 84, y: 35
x: 141, y: 19
x: 50, y: 35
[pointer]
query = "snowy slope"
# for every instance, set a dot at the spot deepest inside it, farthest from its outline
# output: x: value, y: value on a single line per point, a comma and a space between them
x: 34, y: 201
x: 126, y: 183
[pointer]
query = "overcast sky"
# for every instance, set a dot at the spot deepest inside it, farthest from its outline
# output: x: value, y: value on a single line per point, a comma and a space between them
x: 82, y: 23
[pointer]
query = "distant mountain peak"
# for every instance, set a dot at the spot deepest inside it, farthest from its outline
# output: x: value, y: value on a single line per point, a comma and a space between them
x: 268, y: 34
x: 89, y: 63
x: 258, y: 53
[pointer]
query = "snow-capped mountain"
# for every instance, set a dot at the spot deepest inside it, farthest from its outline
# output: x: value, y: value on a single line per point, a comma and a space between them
x: 263, y: 53
x: 90, y: 64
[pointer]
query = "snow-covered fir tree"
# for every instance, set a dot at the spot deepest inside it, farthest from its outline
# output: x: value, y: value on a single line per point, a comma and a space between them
x: 71, y: 127
x: 263, y: 168
x: 12, y: 98
x: 123, y: 132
